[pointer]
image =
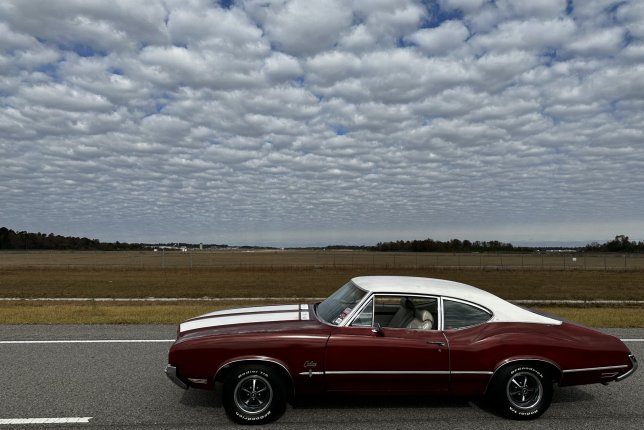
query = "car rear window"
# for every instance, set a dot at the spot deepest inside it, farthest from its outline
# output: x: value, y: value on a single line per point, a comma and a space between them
x: 459, y: 314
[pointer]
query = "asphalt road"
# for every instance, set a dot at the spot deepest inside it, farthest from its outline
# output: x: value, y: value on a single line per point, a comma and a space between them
x: 122, y: 385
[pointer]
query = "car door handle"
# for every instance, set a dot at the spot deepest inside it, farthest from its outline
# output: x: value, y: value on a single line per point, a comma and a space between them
x: 436, y: 342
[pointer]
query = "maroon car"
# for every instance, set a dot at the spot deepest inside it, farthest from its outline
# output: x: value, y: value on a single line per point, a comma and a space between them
x: 385, y: 334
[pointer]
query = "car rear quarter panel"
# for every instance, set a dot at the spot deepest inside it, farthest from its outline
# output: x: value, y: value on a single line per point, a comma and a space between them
x: 296, y: 346
x: 559, y: 349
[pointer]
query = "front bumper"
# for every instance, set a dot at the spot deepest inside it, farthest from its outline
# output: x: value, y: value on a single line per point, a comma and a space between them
x: 630, y: 372
x: 171, y: 372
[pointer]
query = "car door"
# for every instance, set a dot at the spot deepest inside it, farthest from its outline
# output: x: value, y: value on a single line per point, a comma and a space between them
x: 370, y: 355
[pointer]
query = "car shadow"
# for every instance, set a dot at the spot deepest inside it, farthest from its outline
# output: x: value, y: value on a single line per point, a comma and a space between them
x: 212, y: 399
x: 339, y: 401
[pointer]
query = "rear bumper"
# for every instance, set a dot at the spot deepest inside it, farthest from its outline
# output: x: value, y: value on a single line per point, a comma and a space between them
x: 630, y: 372
x: 171, y: 372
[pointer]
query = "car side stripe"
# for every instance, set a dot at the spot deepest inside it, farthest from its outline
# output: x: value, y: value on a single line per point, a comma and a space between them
x: 216, y: 321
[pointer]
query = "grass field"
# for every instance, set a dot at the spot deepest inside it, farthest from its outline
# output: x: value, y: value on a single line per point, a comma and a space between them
x: 173, y: 313
x: 305, y: 282
x: 303, y: 258
x: 267, y: 274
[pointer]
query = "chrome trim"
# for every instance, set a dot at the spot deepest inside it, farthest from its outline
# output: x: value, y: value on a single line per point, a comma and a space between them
x: 594, y: 369
x: 358, y: 310
x: 198, y: 381
x: 513, y: 360
x: 362, y: 305
x: 264, y: 359
x: 388, y: 372
x: 508, y: 361
x: 171, y: 373
x: 398, y: 372
x: 630, y: 372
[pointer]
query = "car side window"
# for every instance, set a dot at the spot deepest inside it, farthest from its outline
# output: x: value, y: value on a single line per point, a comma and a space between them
x: 459, y: 314
x: 365, y: 318
x: 400, y: 312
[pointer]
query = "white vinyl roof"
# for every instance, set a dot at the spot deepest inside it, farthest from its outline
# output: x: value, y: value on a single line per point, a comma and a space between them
x: 502, y: 310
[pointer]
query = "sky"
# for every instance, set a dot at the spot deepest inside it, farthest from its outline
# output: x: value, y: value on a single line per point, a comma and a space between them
x: 310, y: 122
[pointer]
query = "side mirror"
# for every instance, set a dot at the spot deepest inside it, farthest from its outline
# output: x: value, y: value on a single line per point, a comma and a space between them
x: 377, y: 329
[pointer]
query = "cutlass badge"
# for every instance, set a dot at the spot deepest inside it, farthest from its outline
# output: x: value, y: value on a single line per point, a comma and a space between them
x: 310, y: 365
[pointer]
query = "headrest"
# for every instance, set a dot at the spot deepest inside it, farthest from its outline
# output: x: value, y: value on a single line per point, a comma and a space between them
x: 406, y: 303
x: 424, y: 315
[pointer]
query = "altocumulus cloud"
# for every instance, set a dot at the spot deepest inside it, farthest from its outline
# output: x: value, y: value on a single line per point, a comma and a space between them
x: 295, y: 122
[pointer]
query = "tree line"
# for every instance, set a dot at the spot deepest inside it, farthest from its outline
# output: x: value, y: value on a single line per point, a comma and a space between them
x: 454, y: 245
x: 10, y: 239
x: 621, y: 243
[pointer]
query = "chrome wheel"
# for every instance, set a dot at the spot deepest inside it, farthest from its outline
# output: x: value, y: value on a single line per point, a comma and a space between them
x: 253, y: 394
x: 524, y: 390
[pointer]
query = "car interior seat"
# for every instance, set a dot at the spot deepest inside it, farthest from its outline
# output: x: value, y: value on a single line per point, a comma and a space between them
x: 423, y: 320
x: 404, y: 315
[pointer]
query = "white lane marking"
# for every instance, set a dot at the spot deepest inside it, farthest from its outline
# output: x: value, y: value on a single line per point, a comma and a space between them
x: 27, y: 421
x: 632, y: 340
x: 28, y: 342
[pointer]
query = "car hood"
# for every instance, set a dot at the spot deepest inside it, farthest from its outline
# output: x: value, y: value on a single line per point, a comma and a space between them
x: 250, y: 315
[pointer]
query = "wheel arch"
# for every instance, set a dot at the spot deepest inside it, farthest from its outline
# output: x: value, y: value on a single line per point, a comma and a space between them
x: 549, y: 367
x: 278, y: 366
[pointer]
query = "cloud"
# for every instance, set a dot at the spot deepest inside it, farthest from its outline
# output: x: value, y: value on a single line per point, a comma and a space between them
x: 441, y: 40
x: 301, y: 27
x: 297, y: 122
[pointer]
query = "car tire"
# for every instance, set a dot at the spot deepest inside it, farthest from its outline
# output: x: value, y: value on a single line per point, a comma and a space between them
x: 253, y: 394
x: 522, y: 392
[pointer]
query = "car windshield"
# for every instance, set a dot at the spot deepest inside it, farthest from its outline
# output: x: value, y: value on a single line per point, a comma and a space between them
x: 340, y: 304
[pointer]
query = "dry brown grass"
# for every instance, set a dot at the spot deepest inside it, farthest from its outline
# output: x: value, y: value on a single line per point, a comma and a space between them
x: 600, y: 316
x: 318, y: 258
x: 173, y: 313
x: 102, y: 313
x: 305, y: 282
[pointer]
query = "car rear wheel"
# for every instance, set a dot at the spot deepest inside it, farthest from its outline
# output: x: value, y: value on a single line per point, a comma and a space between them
x: 522, y: 392
x: 253, y: 394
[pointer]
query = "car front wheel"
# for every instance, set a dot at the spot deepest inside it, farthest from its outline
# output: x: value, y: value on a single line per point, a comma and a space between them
x: 253, y: 394
x: 522, y: 392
